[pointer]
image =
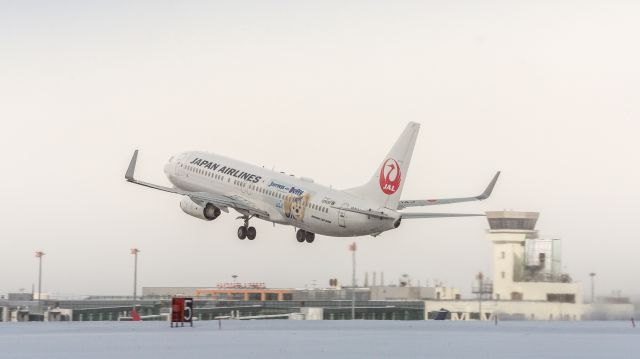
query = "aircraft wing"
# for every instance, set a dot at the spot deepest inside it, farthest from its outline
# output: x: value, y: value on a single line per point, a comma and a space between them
x: 369, y: 212
x: 220, y: 201
x: 404, y: 215
x: 432, y: 202
x: 407, y: 215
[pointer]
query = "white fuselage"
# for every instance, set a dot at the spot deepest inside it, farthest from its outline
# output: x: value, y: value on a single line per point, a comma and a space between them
x: 287, y: 199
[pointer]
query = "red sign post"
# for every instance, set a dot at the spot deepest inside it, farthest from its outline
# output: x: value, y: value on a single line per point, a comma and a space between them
x: 181, y: 311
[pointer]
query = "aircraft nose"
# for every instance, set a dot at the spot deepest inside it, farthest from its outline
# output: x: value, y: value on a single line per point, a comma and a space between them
x: 168, y: 167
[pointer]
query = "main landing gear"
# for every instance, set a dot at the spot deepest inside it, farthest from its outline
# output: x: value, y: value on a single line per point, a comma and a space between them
x: 245, y: 231
x: 303, y: 235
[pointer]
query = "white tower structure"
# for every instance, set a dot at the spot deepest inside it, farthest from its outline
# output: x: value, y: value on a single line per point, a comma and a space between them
x: 526, y: 267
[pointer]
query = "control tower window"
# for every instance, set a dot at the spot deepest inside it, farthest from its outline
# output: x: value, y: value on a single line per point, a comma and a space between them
x: 527, y: 224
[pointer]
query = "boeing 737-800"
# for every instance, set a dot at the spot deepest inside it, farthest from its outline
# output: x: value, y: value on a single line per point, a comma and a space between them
x: 211, y: 184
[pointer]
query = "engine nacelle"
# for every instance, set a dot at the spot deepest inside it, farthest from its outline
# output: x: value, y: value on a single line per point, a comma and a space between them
x: 208, y: 213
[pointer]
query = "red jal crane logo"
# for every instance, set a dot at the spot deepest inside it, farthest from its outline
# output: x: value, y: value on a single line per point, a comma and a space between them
x: 390, y: 176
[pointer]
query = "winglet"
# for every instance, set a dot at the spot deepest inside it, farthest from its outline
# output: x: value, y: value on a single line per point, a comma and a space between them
x: 489, y: 189
x: 132, y: 167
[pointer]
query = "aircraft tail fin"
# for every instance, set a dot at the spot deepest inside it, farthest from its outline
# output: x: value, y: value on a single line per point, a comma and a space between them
x: 385, y: 186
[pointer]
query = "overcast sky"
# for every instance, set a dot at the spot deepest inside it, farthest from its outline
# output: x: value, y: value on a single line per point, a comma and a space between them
x: 546, y: 91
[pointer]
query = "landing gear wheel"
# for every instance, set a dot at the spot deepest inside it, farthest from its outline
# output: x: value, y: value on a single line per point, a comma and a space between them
x: 251, y: 233
x: 242, y: 232
x: 310, y: 237
x: 300, y: 235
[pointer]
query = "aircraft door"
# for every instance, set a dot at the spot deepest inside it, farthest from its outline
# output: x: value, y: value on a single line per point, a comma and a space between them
x: 341, y: 216
x: 251, y: 188
x: 180, y: 170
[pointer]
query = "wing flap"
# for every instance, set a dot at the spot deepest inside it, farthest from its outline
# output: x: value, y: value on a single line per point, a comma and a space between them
x: 407, y: 215
x: 369, y: 212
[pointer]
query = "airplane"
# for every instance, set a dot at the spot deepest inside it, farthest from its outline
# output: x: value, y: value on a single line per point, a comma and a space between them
x: 211, y: 184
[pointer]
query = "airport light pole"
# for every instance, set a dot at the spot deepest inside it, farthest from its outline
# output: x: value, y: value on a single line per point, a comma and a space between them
x: 592, y: 275
x: 353, y: 249
x: 39, y: 255
x: 135, y: 252
x: 480, y: 277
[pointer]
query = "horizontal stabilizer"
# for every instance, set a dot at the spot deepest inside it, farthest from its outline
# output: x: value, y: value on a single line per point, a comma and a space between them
x: 432, y: 202
x: 437, y: 215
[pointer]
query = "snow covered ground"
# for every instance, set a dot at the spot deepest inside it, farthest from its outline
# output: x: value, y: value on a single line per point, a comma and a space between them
x: 320, y: 339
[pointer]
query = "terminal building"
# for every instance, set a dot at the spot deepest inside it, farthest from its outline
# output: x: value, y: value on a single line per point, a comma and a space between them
x: 527, y: 283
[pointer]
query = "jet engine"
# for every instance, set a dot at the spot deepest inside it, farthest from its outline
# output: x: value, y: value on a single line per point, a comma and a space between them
x: 208, y: 213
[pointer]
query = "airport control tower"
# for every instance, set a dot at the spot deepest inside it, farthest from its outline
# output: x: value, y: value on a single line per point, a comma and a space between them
x: 526, y: 267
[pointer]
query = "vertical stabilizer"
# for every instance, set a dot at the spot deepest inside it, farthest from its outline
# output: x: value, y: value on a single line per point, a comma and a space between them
x: 387, y: 181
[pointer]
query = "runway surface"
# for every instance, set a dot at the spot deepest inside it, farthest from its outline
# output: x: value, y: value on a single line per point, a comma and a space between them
x: 320, y: 339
